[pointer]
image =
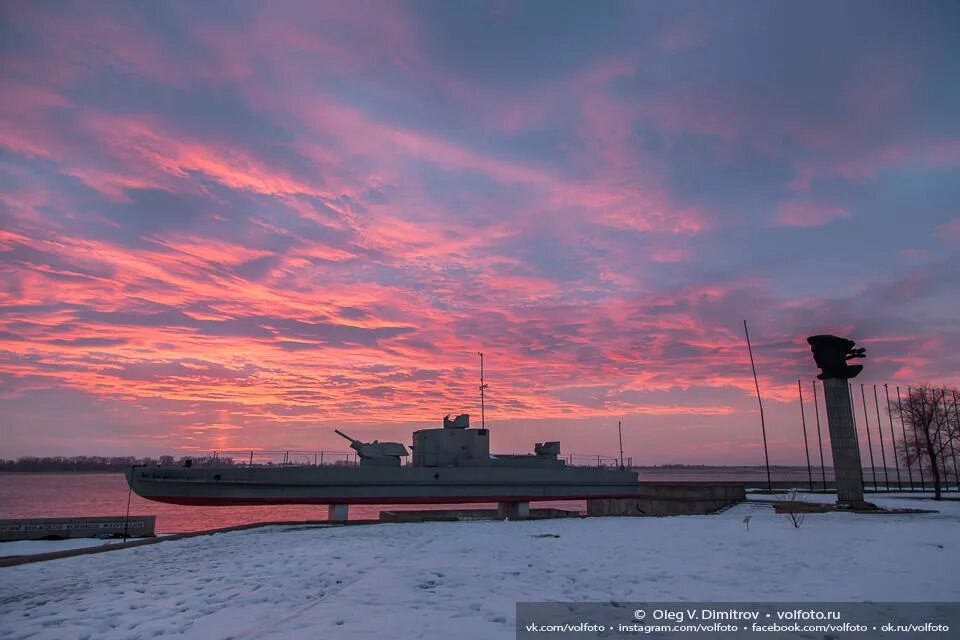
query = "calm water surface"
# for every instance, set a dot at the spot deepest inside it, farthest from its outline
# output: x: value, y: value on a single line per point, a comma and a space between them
x: 50, y: 495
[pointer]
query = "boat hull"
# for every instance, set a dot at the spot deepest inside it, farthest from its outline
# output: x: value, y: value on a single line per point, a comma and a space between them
x: 224, y: 486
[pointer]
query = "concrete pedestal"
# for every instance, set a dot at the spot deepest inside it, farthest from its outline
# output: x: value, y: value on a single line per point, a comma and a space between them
x: 843, y: 442
x: 670, y: 499
x: 338, y: 512
x: 513, y: 510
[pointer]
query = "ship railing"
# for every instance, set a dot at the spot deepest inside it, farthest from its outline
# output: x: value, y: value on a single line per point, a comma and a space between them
x: 586, y: 460
x: 279, y: 458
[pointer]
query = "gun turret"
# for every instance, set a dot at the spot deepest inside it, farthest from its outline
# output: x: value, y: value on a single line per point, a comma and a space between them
x: 547, y: 449
x: 343, y: 435
x: 376, y: 452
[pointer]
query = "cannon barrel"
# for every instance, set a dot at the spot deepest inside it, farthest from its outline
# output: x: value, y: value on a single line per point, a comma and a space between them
x: 342, y: 434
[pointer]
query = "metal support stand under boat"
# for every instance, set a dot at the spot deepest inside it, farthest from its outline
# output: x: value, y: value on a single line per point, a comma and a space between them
x: 337, y: 512
x: 513, y: 510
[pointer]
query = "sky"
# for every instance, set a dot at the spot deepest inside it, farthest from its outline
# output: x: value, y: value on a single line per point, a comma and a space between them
x: 233, y: 225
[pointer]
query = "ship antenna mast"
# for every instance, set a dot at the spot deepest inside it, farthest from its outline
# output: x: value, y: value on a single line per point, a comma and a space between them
x: 483, y: 422
x: 620, y: 435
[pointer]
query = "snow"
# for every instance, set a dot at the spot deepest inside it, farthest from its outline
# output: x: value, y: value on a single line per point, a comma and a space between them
x: 458, y: 579
x: 36, y: 547
x: 32, y: 547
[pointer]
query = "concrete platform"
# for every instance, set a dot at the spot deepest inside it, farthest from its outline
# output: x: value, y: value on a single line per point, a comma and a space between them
x: 671, y: 499
x: 455, y: 515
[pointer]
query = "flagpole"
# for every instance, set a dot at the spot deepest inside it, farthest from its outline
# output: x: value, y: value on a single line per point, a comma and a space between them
x: 763, y: 424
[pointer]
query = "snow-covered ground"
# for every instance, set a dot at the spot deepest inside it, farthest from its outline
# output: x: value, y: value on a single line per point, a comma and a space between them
x: 443, y: 580
x: 32, y: 547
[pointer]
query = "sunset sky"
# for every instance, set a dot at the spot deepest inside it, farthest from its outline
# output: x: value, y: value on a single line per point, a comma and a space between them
x: 242, y: 224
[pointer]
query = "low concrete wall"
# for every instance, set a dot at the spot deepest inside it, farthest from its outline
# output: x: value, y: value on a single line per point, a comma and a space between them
x: 454, y: 515
x: 64, y: 528
x: 673, y: 499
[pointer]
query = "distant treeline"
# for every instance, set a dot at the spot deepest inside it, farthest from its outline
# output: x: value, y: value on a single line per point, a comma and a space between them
x: 96, y: 463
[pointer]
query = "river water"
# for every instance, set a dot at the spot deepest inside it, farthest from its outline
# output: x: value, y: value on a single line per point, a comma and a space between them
x: 52, y: 495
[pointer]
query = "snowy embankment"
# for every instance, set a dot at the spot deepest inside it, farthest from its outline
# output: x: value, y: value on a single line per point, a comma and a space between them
x: 40, y: 547
x: 33, y: 547
x: 442, y: 580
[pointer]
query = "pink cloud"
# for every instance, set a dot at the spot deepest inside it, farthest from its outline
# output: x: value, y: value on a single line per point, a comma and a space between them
x: 864, y: 164
x: 681, y: 36
x: 951, y: 229
x: 802, y: 213
x: 77, y: 43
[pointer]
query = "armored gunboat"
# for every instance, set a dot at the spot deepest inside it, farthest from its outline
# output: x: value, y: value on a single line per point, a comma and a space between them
x: 451, y: 465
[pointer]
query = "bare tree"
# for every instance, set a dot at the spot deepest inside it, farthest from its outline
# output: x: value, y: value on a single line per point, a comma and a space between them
x: 794, y: 509
x: 932, y: 430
